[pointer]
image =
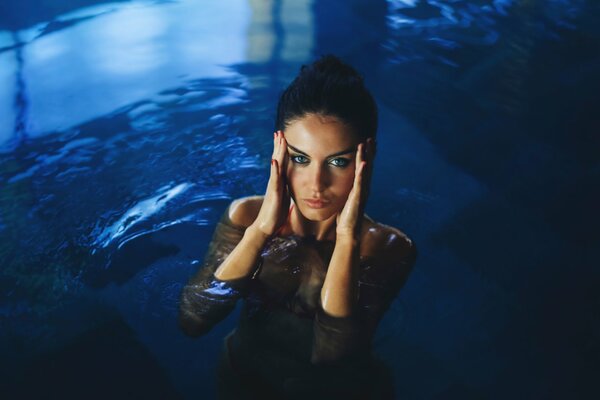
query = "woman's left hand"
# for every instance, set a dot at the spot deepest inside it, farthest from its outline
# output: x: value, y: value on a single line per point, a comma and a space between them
x: 349, y: 220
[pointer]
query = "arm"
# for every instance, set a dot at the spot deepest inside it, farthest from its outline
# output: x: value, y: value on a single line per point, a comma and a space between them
x: 231, y: 259
x: 380, y: 288
x: 340, y: 288
x: 335, y: 328
x: 346, y: 336
x: 233, y: 252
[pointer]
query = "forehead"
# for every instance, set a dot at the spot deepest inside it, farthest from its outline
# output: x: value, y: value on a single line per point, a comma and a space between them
x: 319, y: 135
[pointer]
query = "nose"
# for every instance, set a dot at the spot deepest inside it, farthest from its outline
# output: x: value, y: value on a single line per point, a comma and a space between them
x: 318, y: 178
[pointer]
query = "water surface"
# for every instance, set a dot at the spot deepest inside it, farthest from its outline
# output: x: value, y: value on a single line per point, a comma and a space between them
x: 127, y: 127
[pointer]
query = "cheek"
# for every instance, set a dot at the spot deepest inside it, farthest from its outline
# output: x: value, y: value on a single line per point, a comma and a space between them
x: 292, y: 180
x: 296, y: 177
x: 290, y: 175
x: 343, y: 183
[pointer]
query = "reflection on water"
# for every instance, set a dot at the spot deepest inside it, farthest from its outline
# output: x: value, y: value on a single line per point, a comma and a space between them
x: 120, y: 54
x: 139, y: 212
x: 125, y: 128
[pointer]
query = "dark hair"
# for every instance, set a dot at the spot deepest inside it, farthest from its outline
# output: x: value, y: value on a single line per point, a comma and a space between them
x: 329, y: 87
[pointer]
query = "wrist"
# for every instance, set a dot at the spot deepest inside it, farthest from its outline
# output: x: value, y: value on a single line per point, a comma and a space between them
x: 255, y: 235
x: 346, y: 239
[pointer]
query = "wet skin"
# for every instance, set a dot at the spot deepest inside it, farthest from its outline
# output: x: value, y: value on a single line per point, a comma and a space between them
x: 321, y: 162
x: 323, y: 303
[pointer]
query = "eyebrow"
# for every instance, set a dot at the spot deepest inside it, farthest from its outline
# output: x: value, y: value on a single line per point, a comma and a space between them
x: 339, y: 153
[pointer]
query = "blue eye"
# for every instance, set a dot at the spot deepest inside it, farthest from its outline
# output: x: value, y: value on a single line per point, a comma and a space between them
x: 342, y: 162
x: 336, y: 162
x: 295, y: 159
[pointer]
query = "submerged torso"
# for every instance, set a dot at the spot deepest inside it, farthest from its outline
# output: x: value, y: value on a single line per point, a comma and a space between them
x: 283, y: 329
x: 274, y: 338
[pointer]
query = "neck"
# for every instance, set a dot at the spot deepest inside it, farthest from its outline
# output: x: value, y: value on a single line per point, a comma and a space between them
x: 322, y: 230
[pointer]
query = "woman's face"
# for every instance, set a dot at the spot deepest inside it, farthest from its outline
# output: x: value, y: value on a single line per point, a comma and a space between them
x: 322, y: 153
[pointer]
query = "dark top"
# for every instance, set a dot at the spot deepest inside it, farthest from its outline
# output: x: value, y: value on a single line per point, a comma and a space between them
x: 284, y: 338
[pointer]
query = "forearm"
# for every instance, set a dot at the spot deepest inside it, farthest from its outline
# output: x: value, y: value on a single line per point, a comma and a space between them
x: 241, y: 261
x: 209, y: 296
x: 340, y: 288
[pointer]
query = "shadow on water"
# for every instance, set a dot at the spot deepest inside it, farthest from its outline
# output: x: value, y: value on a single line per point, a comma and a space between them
x: 513, y: 107
x: 92, y: 365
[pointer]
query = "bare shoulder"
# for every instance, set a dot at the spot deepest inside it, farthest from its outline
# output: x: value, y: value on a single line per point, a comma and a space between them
x: 243, y: 211
x: 385, y: 241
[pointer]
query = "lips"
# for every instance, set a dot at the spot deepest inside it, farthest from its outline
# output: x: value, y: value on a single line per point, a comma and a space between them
x: 316, y: 203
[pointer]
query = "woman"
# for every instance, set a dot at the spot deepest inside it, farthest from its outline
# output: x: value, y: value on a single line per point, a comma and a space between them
x: 316, y: 273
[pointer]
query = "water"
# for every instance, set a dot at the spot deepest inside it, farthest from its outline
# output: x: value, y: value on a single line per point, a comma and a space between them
x: 127, y: 127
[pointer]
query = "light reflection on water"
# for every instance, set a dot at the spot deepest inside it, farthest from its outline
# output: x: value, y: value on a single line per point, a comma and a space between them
x: 122, y: 55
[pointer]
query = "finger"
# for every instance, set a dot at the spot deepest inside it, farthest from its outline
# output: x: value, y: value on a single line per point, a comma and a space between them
x: 273, y: 183
x: 370, y: 155
x: 364, y: 189
x: 281, y: 153
x: 278, y: 146
x: 358, y: 178
x: 274, y: 145
x: 371, y: 148
x: 359, y: 154
x: 358, y: 160
x: 354, y: 196
x: 280, y: 162
x: 285, y: 154
x: 357, y: 189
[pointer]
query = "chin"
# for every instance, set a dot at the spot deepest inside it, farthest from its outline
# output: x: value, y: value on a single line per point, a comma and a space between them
x: 316, y: 215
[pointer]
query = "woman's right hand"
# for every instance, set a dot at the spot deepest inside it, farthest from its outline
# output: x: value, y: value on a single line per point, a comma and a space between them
x: 274, y: 210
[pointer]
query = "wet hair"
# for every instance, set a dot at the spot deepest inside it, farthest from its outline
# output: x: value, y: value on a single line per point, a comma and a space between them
x: 329, y: 87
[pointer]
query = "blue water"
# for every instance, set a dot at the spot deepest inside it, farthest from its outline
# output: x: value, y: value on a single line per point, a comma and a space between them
x: 127, y: 127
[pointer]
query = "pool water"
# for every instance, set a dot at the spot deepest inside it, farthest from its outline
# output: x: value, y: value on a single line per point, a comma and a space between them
x: 127, y: 127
